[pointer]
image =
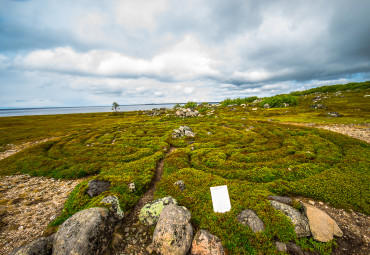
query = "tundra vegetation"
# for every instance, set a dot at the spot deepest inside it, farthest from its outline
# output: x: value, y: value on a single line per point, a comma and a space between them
x: 243, y: 149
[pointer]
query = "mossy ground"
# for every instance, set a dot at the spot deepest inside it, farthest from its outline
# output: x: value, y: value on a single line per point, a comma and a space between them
x: 238, y: 148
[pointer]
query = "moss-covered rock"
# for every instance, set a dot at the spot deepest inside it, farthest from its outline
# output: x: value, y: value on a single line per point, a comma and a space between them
x: 149, y: 213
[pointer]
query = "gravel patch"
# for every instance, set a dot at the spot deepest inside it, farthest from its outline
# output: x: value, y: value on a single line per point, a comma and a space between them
x: 27, y: 205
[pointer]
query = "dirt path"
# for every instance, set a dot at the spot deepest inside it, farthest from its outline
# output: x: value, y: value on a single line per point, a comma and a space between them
x: 130, y: 237
x: 361, y: 132
x: 12, y: 148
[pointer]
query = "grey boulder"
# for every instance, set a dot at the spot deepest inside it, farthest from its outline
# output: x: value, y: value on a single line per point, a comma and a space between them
x: 173, y: 233
x: 96, y: 187
x: 251, y: 219
x: 86, y: 232
x: 285, y: 200
x: 300, y: 222
x: 41, y: 246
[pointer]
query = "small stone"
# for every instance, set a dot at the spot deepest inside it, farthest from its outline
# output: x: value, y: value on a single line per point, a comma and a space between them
x: 131, y: 187
x: 20, y: 228
x: 311, y: 202
x: 181, y: 185
x: 127, y: 229
x: 280, y: 246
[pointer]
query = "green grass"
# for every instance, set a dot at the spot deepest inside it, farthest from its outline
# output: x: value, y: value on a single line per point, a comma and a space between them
x: 241, y: 149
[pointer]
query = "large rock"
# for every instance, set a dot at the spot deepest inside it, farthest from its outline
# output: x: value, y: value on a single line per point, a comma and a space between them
x: 204, y: 243
x: 183, y: 131
x: 149, y: 213
x: 186, y: 112
x: 285, y: 200
x: 41, y: 246
x: 86, y: 232
x: 299, y: 221
x: 323, y: 227
x: 96, y: 187
x: 115, y: 206
x: 251, y: 219
x: 173, y: 233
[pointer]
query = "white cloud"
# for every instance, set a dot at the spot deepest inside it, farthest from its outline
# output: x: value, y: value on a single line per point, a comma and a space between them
x: 4, y: 62
x: 185, y: 60
x: 139, y: 14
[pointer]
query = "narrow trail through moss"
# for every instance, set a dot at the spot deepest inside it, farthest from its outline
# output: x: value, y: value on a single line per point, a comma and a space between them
x: 132, y: 217
x: 129, y: 236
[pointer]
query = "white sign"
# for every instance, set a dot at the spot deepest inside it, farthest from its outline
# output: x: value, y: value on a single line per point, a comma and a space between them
x: 220, y: 199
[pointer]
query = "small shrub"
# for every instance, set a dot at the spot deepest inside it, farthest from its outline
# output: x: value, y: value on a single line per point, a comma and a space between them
x: 190, y: 104
x: 278, y: 101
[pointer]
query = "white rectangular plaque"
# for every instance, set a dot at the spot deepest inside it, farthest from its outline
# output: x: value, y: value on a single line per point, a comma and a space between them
x: 220, y: 199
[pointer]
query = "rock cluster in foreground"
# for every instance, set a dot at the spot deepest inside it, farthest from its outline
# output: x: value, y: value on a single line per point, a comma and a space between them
x: 90, y: 231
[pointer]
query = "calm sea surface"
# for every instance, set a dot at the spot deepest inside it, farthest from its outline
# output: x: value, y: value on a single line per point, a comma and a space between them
x: 66, y: 110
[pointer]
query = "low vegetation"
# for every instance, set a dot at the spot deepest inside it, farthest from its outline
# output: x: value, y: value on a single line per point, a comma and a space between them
x: 238, y: 101
x: 254, y: 157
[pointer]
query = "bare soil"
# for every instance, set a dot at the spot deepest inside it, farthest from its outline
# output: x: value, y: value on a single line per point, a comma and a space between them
x: 361, y: 132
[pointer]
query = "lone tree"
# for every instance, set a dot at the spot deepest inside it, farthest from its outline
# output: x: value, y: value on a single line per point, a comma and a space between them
x: 115, y: 105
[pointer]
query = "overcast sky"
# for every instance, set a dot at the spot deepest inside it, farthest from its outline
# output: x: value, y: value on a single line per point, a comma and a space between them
x: 93, y: 52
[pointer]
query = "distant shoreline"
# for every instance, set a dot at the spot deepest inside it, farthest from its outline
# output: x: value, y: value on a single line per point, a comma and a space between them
x: 12, y: 112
